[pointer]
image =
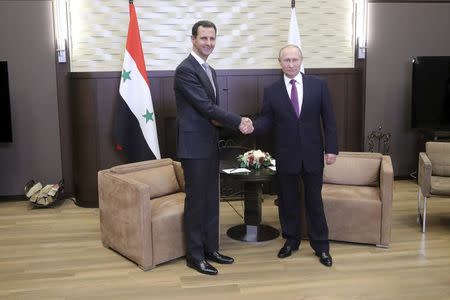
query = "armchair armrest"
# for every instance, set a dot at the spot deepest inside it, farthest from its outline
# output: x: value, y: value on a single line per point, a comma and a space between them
x: 424, y: 174
x: 180, y: 174
x: 386, y: 195
x: 125, y: 216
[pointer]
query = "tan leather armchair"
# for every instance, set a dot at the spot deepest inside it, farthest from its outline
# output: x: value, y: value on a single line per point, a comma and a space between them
x: 433, y: 176
x: 357, y: 197
x: 141, y: 211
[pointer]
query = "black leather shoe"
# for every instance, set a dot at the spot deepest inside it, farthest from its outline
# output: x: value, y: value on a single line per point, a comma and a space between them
x: 325, y: 259
x: 286, y: 250
x: 219, y: 258
x: 201, y: 266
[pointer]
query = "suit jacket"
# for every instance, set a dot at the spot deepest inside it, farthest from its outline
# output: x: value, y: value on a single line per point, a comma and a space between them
x: 299, y: 141
x: 197, y: 105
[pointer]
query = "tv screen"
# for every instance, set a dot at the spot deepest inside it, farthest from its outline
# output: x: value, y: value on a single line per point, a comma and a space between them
x: 431, y: 92
x: 5, y: 108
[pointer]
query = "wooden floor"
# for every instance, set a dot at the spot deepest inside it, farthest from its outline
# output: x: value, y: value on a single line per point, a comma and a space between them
x: 57, y: 254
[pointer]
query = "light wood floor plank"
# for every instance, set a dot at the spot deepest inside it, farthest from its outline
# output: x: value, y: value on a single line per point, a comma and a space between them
x: 57, y: 254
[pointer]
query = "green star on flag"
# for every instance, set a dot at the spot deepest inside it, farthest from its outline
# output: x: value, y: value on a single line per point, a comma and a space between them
x: 126, y: 75
x: 148, y: 116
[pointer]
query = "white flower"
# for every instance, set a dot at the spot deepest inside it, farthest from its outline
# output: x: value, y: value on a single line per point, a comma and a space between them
x: 255, y: 159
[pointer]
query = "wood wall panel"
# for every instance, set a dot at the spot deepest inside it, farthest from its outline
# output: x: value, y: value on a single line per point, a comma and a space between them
x: 243, y: 95
x: 167, y: 97
x: 106, y: 106
x: 85, y: 141
x: 263, y: 82
x: 223, y: 92
x: 354, y: 114
x: 338, y: 92
x: 95, y: 97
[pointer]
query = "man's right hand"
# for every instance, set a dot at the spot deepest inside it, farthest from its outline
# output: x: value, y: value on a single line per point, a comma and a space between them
x: 246, y: 126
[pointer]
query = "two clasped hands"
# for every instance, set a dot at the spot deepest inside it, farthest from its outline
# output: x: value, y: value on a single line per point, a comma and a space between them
x: 246, y: 126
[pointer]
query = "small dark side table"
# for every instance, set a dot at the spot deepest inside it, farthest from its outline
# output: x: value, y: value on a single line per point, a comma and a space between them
x: 252, y: 230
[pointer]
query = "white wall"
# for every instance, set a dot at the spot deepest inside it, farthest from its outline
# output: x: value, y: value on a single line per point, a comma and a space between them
x: 397, y: 32
x: 27, y: 43
x: 250, y: 32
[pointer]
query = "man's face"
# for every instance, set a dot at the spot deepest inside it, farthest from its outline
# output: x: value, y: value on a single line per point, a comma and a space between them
x: 290, y: 61
x: 205, y: 41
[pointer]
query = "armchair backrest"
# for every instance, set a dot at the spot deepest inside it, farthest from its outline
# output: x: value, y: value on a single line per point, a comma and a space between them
x: 439, y: 155
x: 159, y: 175
x: 354, y: 168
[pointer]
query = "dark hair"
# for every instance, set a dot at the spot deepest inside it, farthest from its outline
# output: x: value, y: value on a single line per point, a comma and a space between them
x: 203, y: 23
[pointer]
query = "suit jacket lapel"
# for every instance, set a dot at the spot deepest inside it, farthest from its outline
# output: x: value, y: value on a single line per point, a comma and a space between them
x: 305, y: 93
x: 285, y: 97
x: 216, y: 95
x: 204, y: 78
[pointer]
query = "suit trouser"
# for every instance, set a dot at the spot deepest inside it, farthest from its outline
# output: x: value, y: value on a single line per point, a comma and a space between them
x: 289, y: 209
x: 201, y: 207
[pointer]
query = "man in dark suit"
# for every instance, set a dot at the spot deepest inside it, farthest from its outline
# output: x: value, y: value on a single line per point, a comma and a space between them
x: 294, y: 107
x: 198, y: 117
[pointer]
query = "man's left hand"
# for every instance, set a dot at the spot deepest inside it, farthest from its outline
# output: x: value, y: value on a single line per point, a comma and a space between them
x: 330, y: 158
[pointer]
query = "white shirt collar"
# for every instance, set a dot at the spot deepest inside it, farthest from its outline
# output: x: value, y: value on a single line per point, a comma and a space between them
x: 297, y: 78
x: 200, y: 60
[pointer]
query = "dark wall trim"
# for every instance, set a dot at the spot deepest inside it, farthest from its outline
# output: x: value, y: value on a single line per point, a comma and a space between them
x: 234, y: 72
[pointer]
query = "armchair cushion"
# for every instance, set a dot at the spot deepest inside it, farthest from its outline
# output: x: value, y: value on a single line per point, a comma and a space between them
x: 439, y: 155
x: 440, y: 185
x: 161, y: 180
x: 364, y: 171
x: 353, y: 213
x: 167, y: 216
x: 337, y: 192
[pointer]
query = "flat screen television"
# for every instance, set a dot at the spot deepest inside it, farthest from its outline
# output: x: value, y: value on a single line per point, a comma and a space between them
x: 5, y: 107
x: 431, y: 93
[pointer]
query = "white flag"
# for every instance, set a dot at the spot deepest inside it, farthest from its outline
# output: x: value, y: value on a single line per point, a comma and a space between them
x: 294, y: 34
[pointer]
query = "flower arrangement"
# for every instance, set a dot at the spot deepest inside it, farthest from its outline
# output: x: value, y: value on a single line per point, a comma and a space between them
x: 254, y: 159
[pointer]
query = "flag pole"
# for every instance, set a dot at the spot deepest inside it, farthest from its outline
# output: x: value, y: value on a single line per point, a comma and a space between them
x: 294, y: 33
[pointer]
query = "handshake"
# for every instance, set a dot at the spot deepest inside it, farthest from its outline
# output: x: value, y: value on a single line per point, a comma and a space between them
x: 246, y: 126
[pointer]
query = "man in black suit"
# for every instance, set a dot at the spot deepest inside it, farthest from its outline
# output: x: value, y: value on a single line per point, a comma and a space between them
x: 198, y: 117
x: 294, y: 107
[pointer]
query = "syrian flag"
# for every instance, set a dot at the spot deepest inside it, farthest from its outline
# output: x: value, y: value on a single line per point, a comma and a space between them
x: 135, y: 126
x: 294, y: 33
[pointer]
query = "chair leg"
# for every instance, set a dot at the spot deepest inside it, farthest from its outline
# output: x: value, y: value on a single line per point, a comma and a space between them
x: 419, y: 216
x: 424, y: 213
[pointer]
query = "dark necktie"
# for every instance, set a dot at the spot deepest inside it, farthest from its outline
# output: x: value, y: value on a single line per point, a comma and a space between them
x: 294, y: 97
x: 209, y: 73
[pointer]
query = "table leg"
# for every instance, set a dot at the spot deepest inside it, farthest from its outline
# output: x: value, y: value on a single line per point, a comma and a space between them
x: 252, y: 230
x: 252, y: 203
